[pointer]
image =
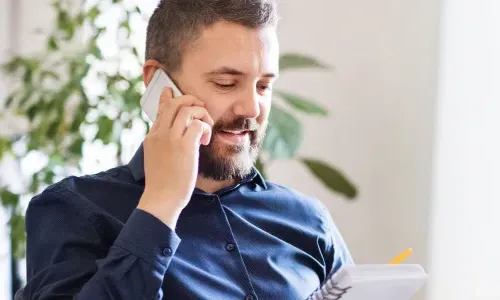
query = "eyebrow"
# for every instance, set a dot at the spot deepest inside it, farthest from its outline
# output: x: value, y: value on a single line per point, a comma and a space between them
x: 232, y: 71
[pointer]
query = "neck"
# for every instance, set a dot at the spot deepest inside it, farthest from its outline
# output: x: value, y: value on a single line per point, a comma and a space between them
x: 211, y: 186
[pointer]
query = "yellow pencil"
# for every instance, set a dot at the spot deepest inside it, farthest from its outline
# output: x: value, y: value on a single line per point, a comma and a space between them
x: 401, y: 256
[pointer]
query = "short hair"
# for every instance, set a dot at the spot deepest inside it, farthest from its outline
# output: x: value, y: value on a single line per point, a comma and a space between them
x: 177, y: 23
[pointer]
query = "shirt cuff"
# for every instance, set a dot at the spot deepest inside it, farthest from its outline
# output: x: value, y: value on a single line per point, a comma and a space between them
x: 148, y: 238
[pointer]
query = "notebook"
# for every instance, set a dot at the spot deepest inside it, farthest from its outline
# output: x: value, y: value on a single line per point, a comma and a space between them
x: 360, y: 282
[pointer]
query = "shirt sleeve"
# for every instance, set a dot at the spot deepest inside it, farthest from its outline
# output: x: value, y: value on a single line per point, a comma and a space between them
x: 66, y: 258
x: 337, y: 253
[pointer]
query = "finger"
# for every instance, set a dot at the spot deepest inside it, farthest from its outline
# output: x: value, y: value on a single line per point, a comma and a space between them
x: 186, y: 116
x: 172, y: 106
x: 207, y: 135
x: 165, y: 97
x: 156, y: 125
x: 197, y: 133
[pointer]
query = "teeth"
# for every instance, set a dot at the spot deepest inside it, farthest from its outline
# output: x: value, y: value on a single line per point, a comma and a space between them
x: 233, y: 132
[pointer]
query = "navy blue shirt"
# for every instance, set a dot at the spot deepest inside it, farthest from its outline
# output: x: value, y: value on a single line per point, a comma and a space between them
x: 255, y: 240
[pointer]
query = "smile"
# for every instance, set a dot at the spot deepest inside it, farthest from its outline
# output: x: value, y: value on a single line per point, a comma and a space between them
x: 234, y: 137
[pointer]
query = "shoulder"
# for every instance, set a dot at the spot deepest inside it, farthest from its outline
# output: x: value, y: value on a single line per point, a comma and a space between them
x: 291, y: 194
x: 80, y: 185
x: 82, y: 193
x: 305, y: 207
x: 313, y: 215
x: 72, y: 185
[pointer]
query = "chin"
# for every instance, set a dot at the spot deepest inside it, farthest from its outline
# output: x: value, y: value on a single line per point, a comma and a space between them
x: 240, y: 160
x: 224, y: 162
x: 243, y: 162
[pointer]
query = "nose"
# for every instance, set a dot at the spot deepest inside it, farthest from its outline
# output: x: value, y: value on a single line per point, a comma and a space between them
x: 248, y: 106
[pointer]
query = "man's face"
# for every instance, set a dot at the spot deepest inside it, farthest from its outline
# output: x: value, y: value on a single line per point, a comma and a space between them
x: 231, y: 69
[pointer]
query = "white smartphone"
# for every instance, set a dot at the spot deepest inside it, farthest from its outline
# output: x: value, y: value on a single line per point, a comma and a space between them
x: 151, y: 97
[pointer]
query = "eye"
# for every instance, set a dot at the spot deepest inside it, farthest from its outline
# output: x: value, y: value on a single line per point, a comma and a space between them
x: 225, y: 86
x: 264, y: 87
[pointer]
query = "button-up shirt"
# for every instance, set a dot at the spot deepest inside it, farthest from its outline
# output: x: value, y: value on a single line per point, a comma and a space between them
x: 254, y: 240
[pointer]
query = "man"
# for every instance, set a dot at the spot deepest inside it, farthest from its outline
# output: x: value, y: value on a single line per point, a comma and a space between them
x: 189, y: 217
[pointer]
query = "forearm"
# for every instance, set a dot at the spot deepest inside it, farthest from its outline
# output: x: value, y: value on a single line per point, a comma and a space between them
x: 133, y: 267
x: 136, y: 264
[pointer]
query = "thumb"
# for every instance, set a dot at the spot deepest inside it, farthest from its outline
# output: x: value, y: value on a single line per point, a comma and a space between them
x: 198, y: 133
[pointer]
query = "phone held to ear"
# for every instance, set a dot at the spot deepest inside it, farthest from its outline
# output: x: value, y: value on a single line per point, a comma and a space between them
x: 151, y: 97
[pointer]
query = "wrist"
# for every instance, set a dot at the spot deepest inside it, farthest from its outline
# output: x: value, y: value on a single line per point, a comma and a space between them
x: 163, y: 208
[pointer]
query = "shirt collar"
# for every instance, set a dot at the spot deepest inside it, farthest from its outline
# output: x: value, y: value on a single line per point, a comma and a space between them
x: 136, y: 166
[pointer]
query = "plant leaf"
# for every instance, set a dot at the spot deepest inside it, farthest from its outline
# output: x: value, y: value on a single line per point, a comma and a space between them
x: 302, y: 104
x: 284, y: 134
x: 28, y: 76
x: 8, y: 102
x: 29, y: 90
x: 135, y: 52
x: 93, y: 13
x: 4, y: 146
x: 52, y: 44
x: 95, y: 50
x: 331, y: 177
x: 49, y: 177
x: 76, y: 146
x: 299, y: 61
x: 17, y: 235
x: 55, y: 160
x: 54, y: 126
x: 35, y: 184
x: 130, y: 99
x: 137, y: 9
x: 49, y: 74
x: 80, y: 18
x: 125, y: 24
x: 8, y: 198
x: 32, y: 111
x: 105, y: 133
x: 13, y: 65
x: 65, y: 25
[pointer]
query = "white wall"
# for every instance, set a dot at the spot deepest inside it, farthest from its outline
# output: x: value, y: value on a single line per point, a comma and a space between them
x: 466, y: 200
x: 381, y: 96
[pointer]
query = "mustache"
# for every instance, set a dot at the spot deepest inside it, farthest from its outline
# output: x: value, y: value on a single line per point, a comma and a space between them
x: 238, y: 124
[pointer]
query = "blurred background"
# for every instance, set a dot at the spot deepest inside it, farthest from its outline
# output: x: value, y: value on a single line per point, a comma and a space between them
x: 387, y: 112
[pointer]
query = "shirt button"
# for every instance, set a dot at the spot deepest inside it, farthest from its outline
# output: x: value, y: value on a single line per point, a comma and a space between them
x: 167, y: 251
x: 212, y: 199
x: 230, y: 247
x: 249, y: 297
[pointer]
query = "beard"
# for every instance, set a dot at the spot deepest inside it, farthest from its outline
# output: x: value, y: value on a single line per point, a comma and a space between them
x: 221, y: 162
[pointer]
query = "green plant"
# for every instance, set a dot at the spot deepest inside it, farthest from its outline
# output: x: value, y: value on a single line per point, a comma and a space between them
x: 61, y: 109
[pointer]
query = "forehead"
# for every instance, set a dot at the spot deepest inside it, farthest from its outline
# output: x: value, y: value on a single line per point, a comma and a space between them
x: 253, y: 51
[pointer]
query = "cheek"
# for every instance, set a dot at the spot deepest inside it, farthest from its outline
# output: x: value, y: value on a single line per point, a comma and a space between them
x: 265, y: 108
x: 218, y: 107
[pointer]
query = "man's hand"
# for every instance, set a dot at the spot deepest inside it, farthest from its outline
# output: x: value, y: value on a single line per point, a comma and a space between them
x: 171, y: 151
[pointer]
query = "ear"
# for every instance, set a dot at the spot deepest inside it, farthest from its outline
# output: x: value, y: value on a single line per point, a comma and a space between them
x: 149, y: 69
